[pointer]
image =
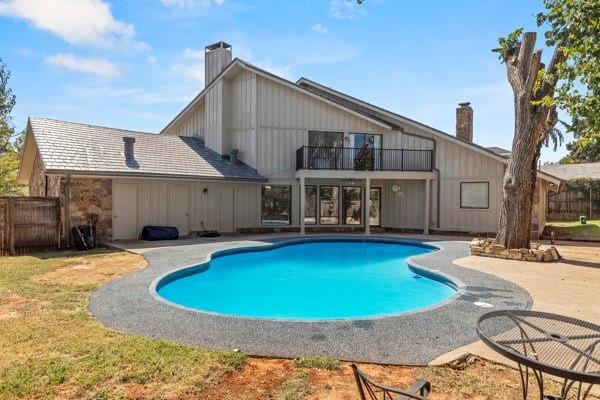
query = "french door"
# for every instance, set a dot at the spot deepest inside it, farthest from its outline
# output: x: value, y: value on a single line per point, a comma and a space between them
x: 375, y: 207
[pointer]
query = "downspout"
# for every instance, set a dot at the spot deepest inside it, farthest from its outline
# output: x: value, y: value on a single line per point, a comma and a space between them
x: 438, y: 183
x: 68, y: 209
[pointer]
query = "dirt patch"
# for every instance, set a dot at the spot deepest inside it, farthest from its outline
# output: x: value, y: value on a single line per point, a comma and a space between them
x: 470, y: 378
x: 259, y: 378
x: 15, y: 306
x: 93, y: 270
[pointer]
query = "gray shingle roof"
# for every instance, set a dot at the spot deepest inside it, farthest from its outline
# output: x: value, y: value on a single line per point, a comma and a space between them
x: 73, y: 147
x: 573, y: 171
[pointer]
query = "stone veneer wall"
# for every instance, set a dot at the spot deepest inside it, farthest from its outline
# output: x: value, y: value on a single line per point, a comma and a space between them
x: 92, y: 196
x: 37, y: 183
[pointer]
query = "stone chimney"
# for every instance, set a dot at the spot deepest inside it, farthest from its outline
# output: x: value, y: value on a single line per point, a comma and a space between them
x: 217, y: 56
x: 464, y: 122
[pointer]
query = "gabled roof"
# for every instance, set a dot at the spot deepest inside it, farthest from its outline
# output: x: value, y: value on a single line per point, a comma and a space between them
x: 574, y: 171
x: 500, y: 151
x: 69, y: 147
x: 266, y: 74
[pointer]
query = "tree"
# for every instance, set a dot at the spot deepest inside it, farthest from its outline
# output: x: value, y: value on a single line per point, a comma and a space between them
x: 535, y: 119
x: 539, y: 91
x: 10, y: 140
x: 575, y: 24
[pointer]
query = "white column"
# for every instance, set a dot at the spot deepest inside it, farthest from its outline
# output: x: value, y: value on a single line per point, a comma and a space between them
x: 367, y: 204
x: 302, y: 201
x: 427, y: 205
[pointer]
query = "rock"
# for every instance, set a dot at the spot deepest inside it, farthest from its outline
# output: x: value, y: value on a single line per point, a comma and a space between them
x: 554, y: 252
x: 548, y: 257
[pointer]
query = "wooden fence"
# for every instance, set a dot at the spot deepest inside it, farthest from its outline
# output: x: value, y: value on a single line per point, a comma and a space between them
x: 29, y: 224
x: 570, y: 203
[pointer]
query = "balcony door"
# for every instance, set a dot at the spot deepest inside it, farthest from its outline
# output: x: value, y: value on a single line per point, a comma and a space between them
x: 366, y: 151
x: 323, y: 153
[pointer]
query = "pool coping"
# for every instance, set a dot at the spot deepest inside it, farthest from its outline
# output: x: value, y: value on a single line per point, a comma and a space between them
x: 409, y: 338
x: 454, y: 283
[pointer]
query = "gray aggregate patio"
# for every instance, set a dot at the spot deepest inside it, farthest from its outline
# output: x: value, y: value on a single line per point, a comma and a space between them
x: 414, y: 338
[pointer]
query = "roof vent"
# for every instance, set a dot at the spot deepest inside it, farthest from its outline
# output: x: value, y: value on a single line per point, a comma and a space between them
x: 233, y: 156
x: 128, y: 152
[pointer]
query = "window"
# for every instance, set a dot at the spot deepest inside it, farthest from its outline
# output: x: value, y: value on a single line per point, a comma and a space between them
x: 352, y: 201
x: 276, y: 205
x: 475, y: 195
x: 329, y: 205
x: 310, y: 205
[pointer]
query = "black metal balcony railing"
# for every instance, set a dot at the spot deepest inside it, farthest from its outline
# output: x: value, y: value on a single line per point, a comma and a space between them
x: 363, y: 159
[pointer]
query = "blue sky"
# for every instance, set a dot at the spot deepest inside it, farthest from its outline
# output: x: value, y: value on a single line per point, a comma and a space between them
x: 134, y: 64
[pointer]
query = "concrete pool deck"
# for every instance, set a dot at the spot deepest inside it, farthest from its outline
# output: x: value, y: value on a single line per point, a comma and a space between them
x: 414, y: 338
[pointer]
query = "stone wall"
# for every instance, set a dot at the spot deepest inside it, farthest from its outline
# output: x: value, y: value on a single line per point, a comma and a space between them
x: 486, y: 247
x: 92, y: 196
x: 39, y: 181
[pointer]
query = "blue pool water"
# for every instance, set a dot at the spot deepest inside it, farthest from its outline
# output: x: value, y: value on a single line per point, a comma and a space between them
x: 312, y: 280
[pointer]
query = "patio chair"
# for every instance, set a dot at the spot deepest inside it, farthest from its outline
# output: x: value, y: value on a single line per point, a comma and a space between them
x: 376, y: 391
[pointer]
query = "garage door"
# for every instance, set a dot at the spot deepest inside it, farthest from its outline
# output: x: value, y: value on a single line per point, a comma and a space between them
x: 125, y: 211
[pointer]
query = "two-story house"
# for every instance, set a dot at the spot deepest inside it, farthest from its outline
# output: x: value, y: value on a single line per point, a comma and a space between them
x: 256, y: 152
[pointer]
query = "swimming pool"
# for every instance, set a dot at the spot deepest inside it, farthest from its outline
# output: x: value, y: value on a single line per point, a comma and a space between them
x: 309, y: 280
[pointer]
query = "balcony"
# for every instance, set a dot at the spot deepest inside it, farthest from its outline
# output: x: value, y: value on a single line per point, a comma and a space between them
x: 363, y: 159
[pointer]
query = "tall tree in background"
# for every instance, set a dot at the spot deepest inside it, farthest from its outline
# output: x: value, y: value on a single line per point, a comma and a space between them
x: 10, y: 141
x: 535, y: 120
x: 576, y: 25
x: 570, y: 82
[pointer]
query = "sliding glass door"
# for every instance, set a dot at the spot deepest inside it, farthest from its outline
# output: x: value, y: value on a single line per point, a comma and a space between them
x: 323, y: 149
x: 366, y: 151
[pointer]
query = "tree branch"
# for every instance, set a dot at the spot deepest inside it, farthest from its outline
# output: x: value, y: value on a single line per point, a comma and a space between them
x: 525, y: 57
x: 551, y: 74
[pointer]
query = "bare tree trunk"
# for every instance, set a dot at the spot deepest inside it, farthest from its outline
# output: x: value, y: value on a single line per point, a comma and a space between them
x: 533, y: 123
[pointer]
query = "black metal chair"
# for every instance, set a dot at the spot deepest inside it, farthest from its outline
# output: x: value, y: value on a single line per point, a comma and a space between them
x: 376, y: 391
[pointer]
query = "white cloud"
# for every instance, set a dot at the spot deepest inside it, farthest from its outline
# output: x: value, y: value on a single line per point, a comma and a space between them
x: 81, y: 22
x: 193, y: 54
x: 191, y: 3
x: 346, y: 9
x: 190, y: 66
x: 319, y: 28
x: 281, y: 71
x: 96, y: 66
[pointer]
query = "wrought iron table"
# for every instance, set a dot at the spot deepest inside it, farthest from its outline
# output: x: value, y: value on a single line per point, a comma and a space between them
x: 545, y: 343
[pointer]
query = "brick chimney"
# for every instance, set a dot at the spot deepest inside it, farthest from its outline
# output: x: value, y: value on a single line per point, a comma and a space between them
x: 464, y: 122
x: 217, y: 56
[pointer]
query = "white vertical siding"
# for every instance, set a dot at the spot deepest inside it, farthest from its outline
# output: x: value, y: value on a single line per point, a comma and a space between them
x: 285, y: 116
x: 406, y: 210
x: 153, y: 203
x: 400, y: 140
x: 213, y: 117
x: 241, y: 114
x: 191, y: 125
x: 459, y: 164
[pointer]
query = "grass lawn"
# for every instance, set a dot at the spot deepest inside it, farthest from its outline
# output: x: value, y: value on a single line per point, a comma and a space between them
x: 575, y: 229
x: 53, y: 348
